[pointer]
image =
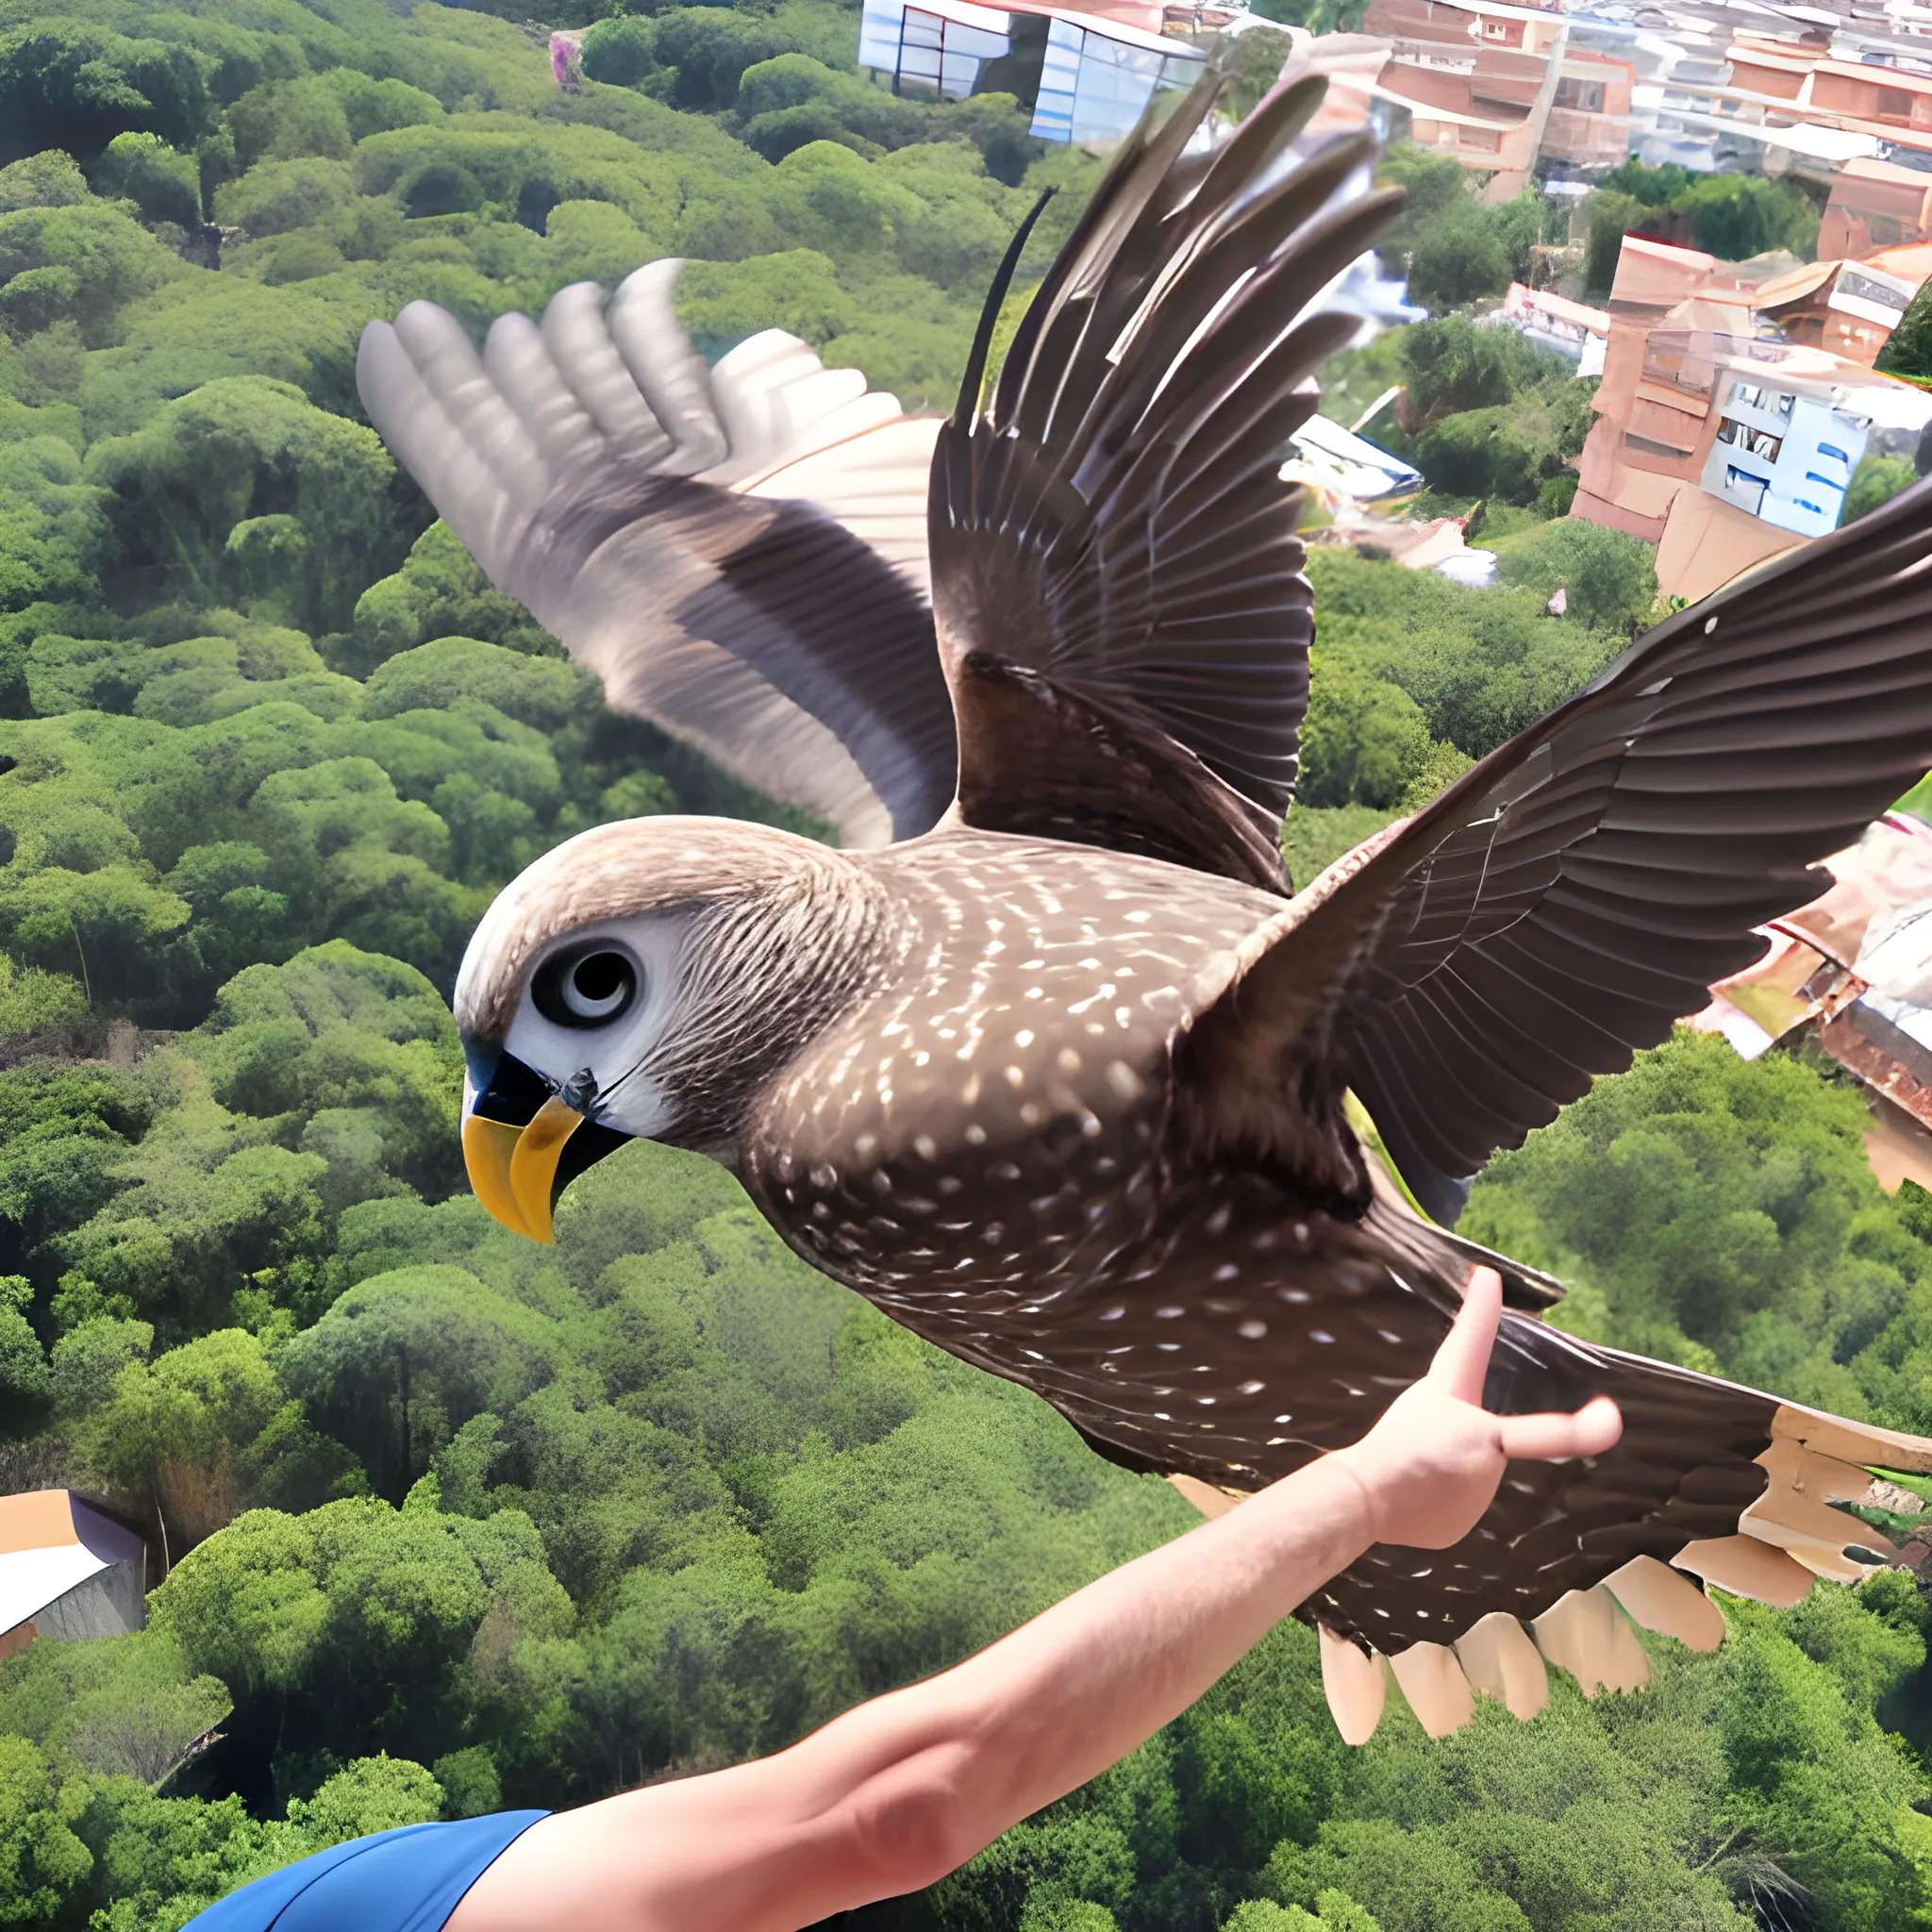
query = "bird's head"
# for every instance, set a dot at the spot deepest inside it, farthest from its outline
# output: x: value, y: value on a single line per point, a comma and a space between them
x: 644, y: 981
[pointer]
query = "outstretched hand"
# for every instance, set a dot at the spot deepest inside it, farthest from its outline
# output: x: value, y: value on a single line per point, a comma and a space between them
x: 1430, y: 1467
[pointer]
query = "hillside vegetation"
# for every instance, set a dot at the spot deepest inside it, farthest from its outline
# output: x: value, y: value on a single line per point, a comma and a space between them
x: 453, y: 1522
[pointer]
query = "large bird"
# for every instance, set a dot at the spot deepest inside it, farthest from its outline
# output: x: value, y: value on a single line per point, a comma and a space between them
x: 1049, y: 1063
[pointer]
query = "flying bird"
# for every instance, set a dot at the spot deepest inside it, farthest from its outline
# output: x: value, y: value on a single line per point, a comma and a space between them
x: 1049, y: 1059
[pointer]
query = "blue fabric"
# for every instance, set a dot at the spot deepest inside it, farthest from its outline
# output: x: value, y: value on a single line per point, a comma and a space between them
x: 406, y: 1880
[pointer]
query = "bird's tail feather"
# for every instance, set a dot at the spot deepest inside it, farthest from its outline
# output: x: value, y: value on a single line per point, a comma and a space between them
x: 1788, y: 1540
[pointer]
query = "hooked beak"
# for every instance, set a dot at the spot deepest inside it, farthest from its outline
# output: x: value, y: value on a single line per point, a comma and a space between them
x: 523, y: 1145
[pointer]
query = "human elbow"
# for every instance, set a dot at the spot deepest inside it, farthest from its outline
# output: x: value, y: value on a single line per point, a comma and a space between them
x: 910, y: 1826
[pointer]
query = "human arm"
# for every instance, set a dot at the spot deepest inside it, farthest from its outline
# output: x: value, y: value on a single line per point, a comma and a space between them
x: 897, y: 1793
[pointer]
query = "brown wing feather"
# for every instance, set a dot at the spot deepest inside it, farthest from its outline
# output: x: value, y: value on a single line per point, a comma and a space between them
x: 1573, y: 895
x: 1111, y: 542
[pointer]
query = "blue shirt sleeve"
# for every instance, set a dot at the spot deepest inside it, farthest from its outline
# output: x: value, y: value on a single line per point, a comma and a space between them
x: 406, y: 1880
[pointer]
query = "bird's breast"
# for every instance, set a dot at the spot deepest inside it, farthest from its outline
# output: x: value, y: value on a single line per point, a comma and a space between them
x: 994, y: 1112
x: 982, y: 1149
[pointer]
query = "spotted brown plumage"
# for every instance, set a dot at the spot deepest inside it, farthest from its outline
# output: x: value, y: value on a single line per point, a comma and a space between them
x: 1058, y: 1077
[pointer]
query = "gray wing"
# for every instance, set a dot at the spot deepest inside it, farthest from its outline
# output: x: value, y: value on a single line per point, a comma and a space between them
x: 737, y: 552
x: 1574, y: 894
x: 1117, y: 580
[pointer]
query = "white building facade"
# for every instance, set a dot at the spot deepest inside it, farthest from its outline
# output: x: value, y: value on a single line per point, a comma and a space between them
x: 1783, y: 455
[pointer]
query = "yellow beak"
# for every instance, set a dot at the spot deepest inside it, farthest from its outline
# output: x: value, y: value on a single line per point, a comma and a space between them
x: 513, y: 1169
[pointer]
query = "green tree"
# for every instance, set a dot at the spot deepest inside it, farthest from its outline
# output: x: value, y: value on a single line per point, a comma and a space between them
x: 77, y: 87
x: 1363, y: 740
x: 1878, y: 479
x: 245, y: 468
x: 402, y: 1361
x: 163, y: 182
x: 118, y: 1706
x: 1454, y: 364
x: 1729, y: 1220
x: 42, y: 1862
x: 1608, y: 579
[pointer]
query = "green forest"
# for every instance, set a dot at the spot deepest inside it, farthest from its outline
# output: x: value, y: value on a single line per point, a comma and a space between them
x: 453, y: 1522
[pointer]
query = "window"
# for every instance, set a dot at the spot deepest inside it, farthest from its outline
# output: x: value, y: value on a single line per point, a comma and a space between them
x: 1650, y: 446
x: 1768, y: 400
x: 1744, y: 490
x: 1093, y: 86
x: 1586, y: 97
x: 1483, y: 139
x: 1894, y: 103
x: 937, y: 55
x: 1812, y: 476
x: 1760, y: 442
x: 1813, y: 508
x: 1831, y: 449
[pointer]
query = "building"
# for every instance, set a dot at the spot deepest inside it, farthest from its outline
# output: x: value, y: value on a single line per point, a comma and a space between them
x: 1574, y: 330
x: 1854, y: 968
x: 69, y: 1567
x: 1589, y: 124
x: 1737, y: 401
x: 1850, y: 308
x: 1874, y: 204
x: 1088, y: 74
x: 1645, y: 445
x: 1784, y: 448
x: 1476, y: 77
x: 1799, y: 98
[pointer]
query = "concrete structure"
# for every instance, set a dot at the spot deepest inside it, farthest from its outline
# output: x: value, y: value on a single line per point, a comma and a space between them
x: 1783, y: 452
x: 1730, y: 417
x: 1854, y: 969
x: 1573, y: 329
x: 1796, y: 97
x: 1589, y: 125
x: 1646, y: 441
x: 1087, y: 73
x: 1477, y: 77
x: 1848, y: 308
x: 1874, y: 204
x: 68, y: 1569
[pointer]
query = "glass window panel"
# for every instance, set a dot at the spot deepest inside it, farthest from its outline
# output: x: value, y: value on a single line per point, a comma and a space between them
x: 879, y: 29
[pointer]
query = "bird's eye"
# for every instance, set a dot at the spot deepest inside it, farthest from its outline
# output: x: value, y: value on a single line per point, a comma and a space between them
x: 585, y: 988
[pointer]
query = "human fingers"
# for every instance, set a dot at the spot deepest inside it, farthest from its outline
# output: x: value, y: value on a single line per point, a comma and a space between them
x: 1593, y: 1429
x: 1463, y: 1359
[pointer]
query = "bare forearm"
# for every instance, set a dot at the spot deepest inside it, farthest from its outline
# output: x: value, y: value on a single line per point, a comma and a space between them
x: 895, y: 1793
x: 1039, y: 1713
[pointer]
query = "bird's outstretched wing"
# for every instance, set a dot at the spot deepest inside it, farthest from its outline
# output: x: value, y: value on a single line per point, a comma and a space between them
x: 739, y: 552
x: 1116, y: 575
x: 1570, y: 896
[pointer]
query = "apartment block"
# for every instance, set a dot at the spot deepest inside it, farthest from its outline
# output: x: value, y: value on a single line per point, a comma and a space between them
x: 1874, y: 204
x: 1589, y: 124
x: 1783, y: 452
x: 1478, y: 79
x: 1730, y: 418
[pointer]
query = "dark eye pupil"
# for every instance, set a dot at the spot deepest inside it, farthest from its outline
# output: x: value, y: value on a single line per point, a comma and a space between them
x: 587, y: 990
x: 600, y: 975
